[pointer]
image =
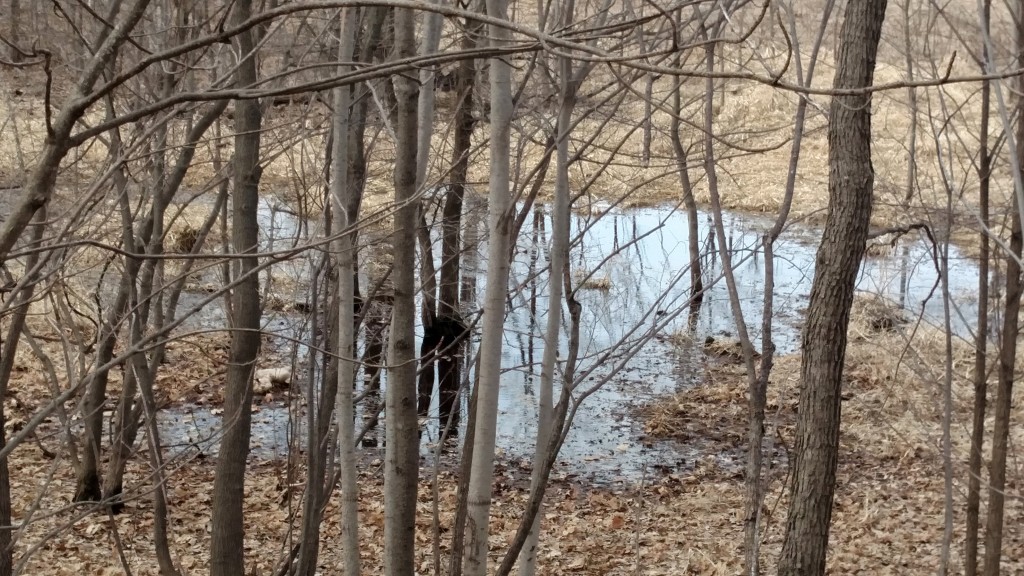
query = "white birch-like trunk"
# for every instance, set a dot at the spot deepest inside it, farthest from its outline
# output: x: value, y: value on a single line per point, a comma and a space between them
x: 340, y: 196
x: 499, y: 226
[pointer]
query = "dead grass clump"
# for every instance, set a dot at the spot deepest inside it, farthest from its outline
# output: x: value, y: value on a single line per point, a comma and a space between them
x: 716, y: 411
x: 603, y: 284
x: 590, y: 281
x: 725, y: 349
x: 872, y: 313
x: 680, y: 339
x: 183, y: 240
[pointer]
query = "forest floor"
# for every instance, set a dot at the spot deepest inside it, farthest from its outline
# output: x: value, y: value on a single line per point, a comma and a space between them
x: 890, y: 493
x: 887, y: 517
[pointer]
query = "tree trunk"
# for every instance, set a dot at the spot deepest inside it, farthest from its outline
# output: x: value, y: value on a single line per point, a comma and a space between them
x: 981, y: 335
x: 341, y: 191
x: 401, y: 469
x: 448, y: 365
x: 227, y: 539
x: 692, y: 225
x: 88, y: 488
x: 1008, y: 340
x: 467, y: 293
x: 10, y: 348
x: 754, y: 497
x: 321, y: 410
x: 560, y: 224
x: 499, y: 225
x: 1004, y: 392
x: 88, y: 483
x: 1007, y: 363
x: 428, y: 273
x: 144, y: 378
x: 756, y: 401
x: 851, y: 179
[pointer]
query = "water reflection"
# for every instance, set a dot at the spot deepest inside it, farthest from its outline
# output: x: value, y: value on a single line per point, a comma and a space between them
x: 634, y: 270
x: 631, y: 271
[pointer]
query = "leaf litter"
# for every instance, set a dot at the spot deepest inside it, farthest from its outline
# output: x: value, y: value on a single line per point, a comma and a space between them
x: 887, y: 517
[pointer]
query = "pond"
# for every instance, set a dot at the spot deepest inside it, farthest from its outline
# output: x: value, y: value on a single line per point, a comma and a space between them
x: 633, y: 312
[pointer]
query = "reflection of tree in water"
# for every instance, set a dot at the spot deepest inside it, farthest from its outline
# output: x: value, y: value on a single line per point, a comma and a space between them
x: 442, y: 341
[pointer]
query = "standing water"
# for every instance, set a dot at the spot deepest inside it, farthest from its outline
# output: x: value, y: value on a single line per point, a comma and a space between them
x: 630, y: 269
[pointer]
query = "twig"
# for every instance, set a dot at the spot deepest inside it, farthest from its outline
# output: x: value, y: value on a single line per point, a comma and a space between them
x: 118, y: 545
x: 639, y: 507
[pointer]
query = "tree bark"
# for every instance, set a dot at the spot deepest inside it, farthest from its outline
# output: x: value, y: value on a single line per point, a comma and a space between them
x: 449, y: 374
x: 1008, y: 338
x: 14, y: 24
x: 974, y: 462
x: 692, y: 225
x: 341, y: 191
x: 499, y: 225
x: 851, y: 180
x: 10, y: 348
x: 428, y: 274
x: 559, y: 256
x: 228, y: 534
x: 1004, y: 388
x: 401, y: 470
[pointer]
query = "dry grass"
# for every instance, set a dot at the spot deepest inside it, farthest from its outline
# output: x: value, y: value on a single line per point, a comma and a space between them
x: 753, y: 123
x: 887, y: 516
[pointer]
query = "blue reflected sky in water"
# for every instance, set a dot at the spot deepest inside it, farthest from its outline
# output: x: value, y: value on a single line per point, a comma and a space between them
x: 642, y: 257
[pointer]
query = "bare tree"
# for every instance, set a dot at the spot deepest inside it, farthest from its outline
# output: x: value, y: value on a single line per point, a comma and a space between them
x: 758, y: 393
x: 341, y: 194
x: 851, y: 180
x: 10, y: 348
x: 401, y: 471
x: 449, y: 373
x: 692, y: 223
x: 452, y: 291
x: 227, y: 526
x: 757, y: 402
x: 569, y: 82
x: 1010, y: 329
x: 1007, y: 350
x: 41, y: 180
x: 159, y: 98
x: 499, y: 222
x: 974, y: 467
